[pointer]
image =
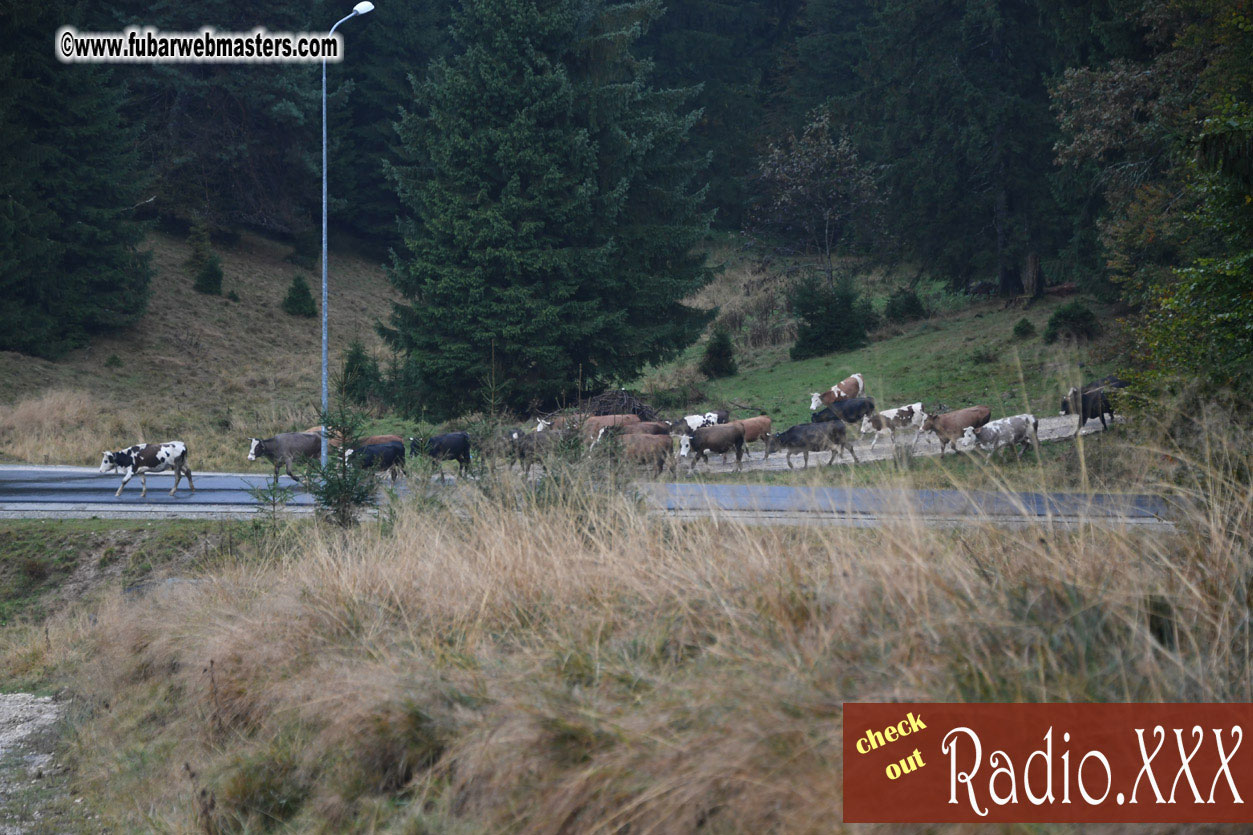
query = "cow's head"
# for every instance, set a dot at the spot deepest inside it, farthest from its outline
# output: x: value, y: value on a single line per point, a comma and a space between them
x: 711, y: 419
x: 968, y: 436
x: 928, y: 425
x: 254, y: 448
x: 109, y: 462
x: 685, y: 445
x: 541, y: 424
x: 815, y: 401
x: 867, y: 425
x: 772, y: 444
x: 417, y: 446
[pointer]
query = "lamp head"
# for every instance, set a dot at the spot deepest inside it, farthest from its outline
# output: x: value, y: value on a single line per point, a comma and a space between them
x: 364, y: 7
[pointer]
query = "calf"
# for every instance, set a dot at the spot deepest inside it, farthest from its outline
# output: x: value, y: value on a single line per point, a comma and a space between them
x: 812, y: 437
x: 755, y: 428
x: 451, y: 446
x: 1019, y: 430
x: 142, y: 459
x: 650, y: 449
x: 950, y: 426
x: 385, y: 458
x: 285, y: 448
x: 1089, y: 405
x: 849, y: 411
x: 708, y: 439
x: 848, y: 387
x: 889, y: 420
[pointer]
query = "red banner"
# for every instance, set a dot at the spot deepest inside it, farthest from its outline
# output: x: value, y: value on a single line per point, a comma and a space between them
x: 1057, y: 763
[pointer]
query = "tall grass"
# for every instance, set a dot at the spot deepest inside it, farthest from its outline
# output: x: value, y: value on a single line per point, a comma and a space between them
x: 563, y: 661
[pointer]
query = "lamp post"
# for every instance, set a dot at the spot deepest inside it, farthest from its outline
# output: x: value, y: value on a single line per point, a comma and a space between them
x: 364, y: 7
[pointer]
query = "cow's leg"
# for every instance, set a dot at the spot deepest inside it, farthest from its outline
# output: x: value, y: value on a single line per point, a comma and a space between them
x: 852, y: 452
x: 143, y: 480
x: 806, y: 453
x: 125, y: 479
x: 835, y: 450
x: 874, y: 440
x: 187, y: 472
x: 739, y: 458
x: 178, y: 475
x: 789, y: 459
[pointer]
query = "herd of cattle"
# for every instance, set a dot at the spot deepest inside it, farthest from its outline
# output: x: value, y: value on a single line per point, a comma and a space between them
x: 652, y: 442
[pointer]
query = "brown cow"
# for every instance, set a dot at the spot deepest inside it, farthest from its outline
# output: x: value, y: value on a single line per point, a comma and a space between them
x: 650, y: 449
x: 755, y: 428
x: 950, y: 426
x: 721, y: 438
x: 591, y: 427
x: 849, y: 387
x: 336, y: 442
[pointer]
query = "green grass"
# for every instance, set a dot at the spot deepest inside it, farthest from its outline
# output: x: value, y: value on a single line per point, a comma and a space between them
x: 961, y: 359
x: 37, y: 556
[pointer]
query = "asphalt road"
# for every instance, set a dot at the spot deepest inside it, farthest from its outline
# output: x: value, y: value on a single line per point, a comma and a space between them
x: 61, y: 492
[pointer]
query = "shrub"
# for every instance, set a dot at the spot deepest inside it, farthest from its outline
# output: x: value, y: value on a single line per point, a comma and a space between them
x: 232, y: 296
x: 209, y: 277
x: 830, y: 318
x: 1023, y: 329
x: 201, y: 251
x: 904, y: 306
x: 362, y: 380
x: 1074, y: 320
x: 719, y: 359
x: 341, y: 490
x: 299, y: 301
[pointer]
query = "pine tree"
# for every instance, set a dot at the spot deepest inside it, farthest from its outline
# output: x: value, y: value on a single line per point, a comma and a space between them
x: 69, y: 260
x: 299, y: 300
x: 719, y: 358
x: 552, y: 208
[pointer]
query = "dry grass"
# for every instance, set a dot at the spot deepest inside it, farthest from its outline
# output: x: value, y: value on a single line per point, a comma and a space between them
x: 559, y: 661
x: 202, y: 369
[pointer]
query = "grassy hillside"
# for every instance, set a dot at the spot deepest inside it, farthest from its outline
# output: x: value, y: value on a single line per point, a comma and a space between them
x: 213, y: 372
x: 205, y: 369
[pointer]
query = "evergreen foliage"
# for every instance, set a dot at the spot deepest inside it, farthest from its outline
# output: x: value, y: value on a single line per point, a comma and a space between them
x: 1074, y: 320
x: 832, y: 317
x: 362, y: 380
x: 719, y: 357
x: 299, y: 299
x: 209, y: 276
x: 70, y: 264
x: 904, y: 306
x: 1023, y: 329
x: 552, y: 208
x: 341, y: 491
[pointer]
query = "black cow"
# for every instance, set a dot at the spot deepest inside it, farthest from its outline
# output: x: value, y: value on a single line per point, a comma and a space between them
x: 285, y: 448
x: 1095, y: 404
x: 812, y: 437
x: 385, y: 458
x: 1103, y: 384
x: 852, y: 410
x: 451, y: 446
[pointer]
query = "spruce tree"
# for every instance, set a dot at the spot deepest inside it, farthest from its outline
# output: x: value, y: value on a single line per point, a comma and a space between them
x: 299, y: 300
x: 552, y: 209
x: 69, y: 259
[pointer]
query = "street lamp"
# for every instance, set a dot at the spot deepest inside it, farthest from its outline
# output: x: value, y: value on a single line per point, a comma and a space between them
x: 364, y: 7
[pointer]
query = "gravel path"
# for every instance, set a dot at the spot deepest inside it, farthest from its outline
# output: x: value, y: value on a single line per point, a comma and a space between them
x: 25, y: 759
x: 1055, y: 428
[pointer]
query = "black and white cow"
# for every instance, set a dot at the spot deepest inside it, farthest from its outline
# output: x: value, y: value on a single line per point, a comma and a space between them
x: 386, y: 458
x: 285, y: 448
x: 142, y: 459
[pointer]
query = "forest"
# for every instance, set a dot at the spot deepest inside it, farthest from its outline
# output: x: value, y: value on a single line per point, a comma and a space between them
x: 539, y: 174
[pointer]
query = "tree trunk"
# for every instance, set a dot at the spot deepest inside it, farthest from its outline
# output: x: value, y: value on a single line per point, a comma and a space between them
x: 1032, y: 276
